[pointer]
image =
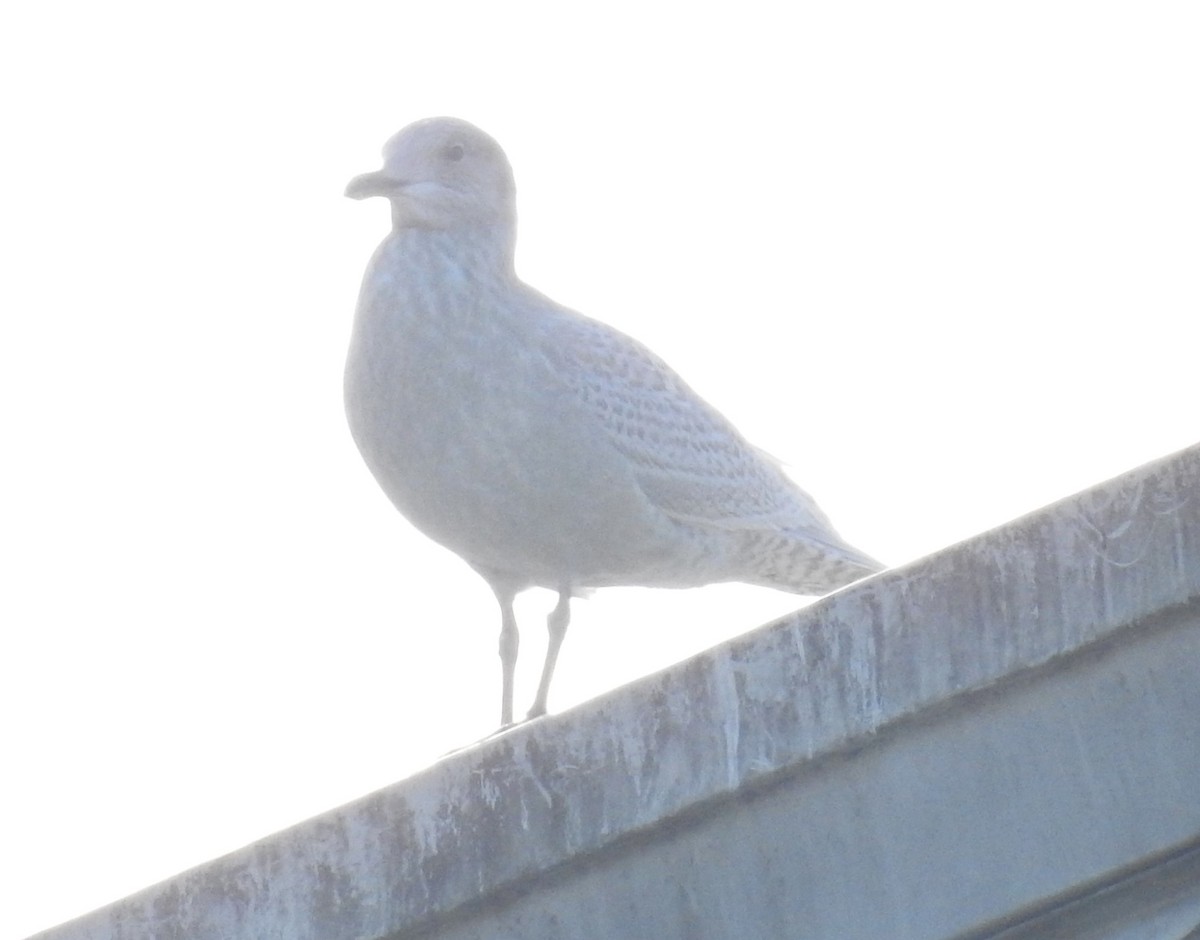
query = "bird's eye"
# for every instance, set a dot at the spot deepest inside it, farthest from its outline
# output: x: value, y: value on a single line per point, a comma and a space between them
x: 454, y: 153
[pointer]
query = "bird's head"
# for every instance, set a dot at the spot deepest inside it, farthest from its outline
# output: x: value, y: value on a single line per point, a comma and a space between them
x: 442, y: 173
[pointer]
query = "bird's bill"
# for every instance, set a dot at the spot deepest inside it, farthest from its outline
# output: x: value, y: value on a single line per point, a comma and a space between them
x: 372, y: 184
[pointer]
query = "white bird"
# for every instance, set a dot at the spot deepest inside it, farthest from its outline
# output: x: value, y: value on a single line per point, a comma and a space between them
x: 543, y: 447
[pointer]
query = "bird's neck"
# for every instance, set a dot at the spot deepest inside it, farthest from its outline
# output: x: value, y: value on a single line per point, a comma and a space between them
x: 484, y: 250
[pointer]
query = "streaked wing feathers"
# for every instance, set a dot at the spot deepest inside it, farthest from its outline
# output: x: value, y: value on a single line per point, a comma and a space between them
x: 690, y: 461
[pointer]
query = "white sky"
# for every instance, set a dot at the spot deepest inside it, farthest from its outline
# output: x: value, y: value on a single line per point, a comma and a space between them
x: 941, y: 258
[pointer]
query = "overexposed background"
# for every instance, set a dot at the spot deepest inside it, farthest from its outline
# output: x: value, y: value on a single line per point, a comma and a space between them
x: 941, y: 258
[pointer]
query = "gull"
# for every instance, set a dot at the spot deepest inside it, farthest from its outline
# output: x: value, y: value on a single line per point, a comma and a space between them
x: 543, y: 447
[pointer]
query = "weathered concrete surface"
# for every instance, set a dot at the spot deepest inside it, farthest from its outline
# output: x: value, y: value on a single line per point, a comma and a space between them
x: 1000, y: 740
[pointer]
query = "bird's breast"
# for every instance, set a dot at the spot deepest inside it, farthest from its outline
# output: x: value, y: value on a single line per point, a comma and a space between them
x: 475, y: 439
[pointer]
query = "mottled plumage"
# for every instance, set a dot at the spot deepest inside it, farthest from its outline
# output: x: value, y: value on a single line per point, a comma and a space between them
x: 543, y: 447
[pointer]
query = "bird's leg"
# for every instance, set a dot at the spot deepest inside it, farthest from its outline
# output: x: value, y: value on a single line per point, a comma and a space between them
x: 510, y: 640
x: 556, y: 624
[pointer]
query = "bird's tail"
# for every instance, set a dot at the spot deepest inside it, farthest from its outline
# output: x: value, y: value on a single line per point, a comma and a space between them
x: 804, y: 563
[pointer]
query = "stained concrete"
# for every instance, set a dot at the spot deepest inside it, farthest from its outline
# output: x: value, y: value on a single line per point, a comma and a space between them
x: 1002, y: 737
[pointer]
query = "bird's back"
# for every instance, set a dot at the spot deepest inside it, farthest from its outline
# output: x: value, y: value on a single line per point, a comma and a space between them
x: 696, y: 468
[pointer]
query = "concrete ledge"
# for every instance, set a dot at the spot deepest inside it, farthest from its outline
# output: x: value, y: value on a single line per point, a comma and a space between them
x: 953, y: 748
